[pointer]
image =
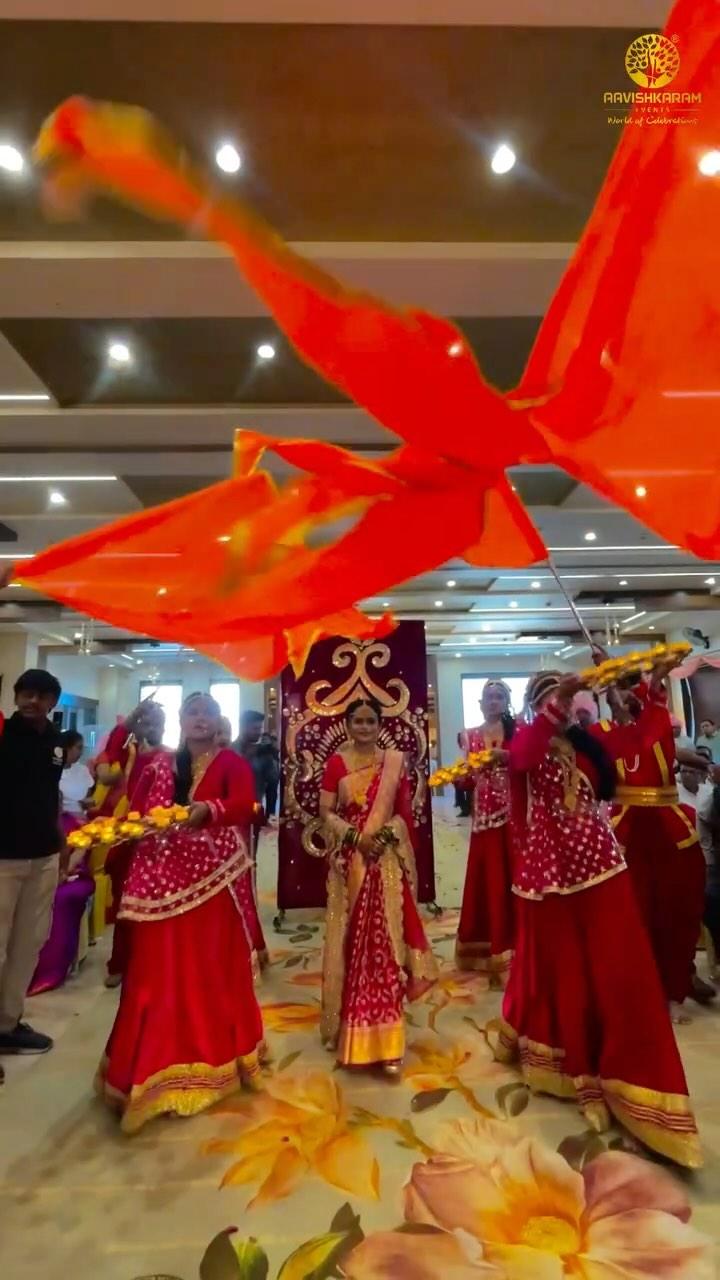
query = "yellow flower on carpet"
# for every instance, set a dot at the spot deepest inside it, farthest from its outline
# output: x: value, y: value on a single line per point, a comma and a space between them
x: 438, y: 1064
x: 535, y: 1218
x: 299, y: 1125
x: 286, y: 1017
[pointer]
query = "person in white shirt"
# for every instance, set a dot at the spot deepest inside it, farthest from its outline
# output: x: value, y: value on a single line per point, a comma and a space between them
x: 76, y: 782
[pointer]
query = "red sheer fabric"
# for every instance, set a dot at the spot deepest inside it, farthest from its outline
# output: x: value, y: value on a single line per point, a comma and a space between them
x: 615, y: 374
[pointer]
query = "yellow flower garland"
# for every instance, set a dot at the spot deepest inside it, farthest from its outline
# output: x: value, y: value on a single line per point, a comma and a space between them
x: 107, y: 831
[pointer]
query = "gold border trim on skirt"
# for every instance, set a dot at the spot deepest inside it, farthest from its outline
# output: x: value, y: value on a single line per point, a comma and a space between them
x: 664, y: 1122
x: 363, y: 1046
x: 183, y: 1089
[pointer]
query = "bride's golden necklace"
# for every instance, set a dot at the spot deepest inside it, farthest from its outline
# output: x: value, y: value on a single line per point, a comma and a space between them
x: 359, y: 763
x: 200, y: 764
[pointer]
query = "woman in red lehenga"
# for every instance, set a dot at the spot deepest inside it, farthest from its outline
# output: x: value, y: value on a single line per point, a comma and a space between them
x: 188, y: 1029
x: 486, y: 929
x: 584, y: 1009
x: 130, y: 749
x: 376, y: 952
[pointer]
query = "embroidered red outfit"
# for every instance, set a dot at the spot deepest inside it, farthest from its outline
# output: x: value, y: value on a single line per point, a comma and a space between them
x: 188, y: 1027
x: 580, y: 1028
x: 659, y: 838
x: 128, y: 763
x: 376, y: 952
x: 486, y: 928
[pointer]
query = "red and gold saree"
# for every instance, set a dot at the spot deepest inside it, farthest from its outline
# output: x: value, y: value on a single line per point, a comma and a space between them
x: 376, y: 952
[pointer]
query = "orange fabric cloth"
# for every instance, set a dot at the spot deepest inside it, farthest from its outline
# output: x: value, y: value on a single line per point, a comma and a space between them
x: 623, y: 364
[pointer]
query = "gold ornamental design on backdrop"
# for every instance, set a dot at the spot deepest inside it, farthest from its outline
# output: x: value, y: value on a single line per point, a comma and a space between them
x: 314, y: 733
x: 652, y: 61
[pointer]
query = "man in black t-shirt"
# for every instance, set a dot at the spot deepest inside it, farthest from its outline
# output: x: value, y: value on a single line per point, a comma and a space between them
x: 31, y: 765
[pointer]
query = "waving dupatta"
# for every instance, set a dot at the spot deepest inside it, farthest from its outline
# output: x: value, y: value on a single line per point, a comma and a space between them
x: 178, y: 869
x: 358, y: 889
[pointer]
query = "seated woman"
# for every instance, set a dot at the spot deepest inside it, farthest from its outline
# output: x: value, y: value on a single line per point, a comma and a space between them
x: 188, y: 1030
x: 376, y: 953
x: 584, y: 1011
x: 77, y: 886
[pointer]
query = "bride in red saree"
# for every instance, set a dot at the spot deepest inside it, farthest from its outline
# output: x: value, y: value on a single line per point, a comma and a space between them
x: 188, y: 1029
x: 376, y: 952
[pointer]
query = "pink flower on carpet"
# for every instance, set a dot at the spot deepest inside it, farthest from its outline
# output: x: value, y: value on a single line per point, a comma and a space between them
x: 395, y: 1255
x: 535, y: 1218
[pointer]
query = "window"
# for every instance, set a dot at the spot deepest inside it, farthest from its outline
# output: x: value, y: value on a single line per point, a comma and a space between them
x: 472, y: 687
x: 227, y: 694
x: 170, y: 698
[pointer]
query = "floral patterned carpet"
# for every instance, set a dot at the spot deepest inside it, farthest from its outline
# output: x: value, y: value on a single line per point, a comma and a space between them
x: 455, y: 1172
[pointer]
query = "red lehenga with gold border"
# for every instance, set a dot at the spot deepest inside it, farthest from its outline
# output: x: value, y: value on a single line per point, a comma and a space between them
x: 584, y: 1011
x: 376, y: 952
x: 486, y: 930
x: 188, y: 1029
x: 658, y: 834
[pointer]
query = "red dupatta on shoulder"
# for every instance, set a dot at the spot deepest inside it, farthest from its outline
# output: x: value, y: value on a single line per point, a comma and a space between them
x: 176, y: 870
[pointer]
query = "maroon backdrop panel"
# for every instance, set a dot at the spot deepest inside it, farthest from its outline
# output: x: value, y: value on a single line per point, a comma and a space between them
x: 394, y: 671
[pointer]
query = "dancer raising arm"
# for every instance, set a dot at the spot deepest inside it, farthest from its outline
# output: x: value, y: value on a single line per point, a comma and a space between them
x: 584, y: 1011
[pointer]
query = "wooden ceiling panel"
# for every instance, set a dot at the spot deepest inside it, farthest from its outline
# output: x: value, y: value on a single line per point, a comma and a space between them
x: 210, y: 360
x: 348, y: 133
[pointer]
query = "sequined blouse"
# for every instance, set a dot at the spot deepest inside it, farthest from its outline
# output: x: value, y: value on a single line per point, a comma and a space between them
x: 563, y: 843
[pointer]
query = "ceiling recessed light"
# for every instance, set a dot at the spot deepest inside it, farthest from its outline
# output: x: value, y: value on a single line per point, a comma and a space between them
x: 56, y: 498
x: 138, y: 662
x: 709, y: 164
x: 119, y: 354
x: 77, y: 635
x: 11, y: 160
x: 438, y: 604
x: 651, y: 627
x: 558, y: 652
x: 485, y: 626
x: 513, y: 604
x: 709, y: 582
x: 640, y: 491
x: 535, y: 585
x: 24, y: 397
x: 111, y: 664
x: 224, y: 537
x: 591, y: 536
x: 503, y: 159
x: 228, y: 158
x: 623, y: 582
x: 266, y: 351
x: 458, y: 655
x: 191, y: 659
x: 386, y: 604
x: 451, y: 582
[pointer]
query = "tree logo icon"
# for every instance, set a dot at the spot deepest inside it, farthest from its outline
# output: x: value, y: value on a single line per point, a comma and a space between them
x: 652, y: 61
